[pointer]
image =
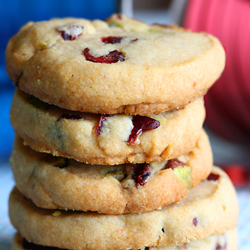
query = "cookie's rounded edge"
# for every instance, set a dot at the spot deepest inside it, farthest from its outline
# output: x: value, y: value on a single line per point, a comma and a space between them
x: 44, y: 131
x: 183, y: 84
x: 231, y: 243
x: 57, y: 183
x: 215, y: 211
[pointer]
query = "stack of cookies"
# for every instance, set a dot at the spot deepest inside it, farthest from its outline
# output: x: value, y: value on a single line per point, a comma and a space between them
x: 110, y: 151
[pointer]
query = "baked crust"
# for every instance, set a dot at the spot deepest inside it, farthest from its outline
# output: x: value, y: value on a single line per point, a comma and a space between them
x: 57, y: 183
x: 164, y: 67
x: 210, y: 208
x: 228, y: 239
x: 42, y: 128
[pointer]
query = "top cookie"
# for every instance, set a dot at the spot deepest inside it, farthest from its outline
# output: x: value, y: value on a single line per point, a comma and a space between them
x: 118, y: 66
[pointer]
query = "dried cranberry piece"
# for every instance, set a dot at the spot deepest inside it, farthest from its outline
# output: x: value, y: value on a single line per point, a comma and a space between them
x: 100, y: 123
x: 140, y: 173
x: 70, y: 31
x: 112, y: 39
x: 66, y: 37
x: 119, y: 16
x: 32, y: 246
x: 113, y: 57
x: 195, y: 221
x: 184, y: 246
x: 219, y: 247
x: 213, y: 177
x: 71, y: 117
x: 174, y: 163
x: 141, y: 124
x: 115, y: 39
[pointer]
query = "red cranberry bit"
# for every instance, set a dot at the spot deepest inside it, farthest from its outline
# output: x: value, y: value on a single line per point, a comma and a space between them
x: 112, y: 39
x: 140, y: 173
x: 141, y: 124
x: 174, y: 163
x: 195, y: 222
x: 119, y: 16
x: 100, y: 124
x: 113, y: 57
x: 71, y: 117
x: 213, y: 177
x: 184, y: 246
x: 70, y: 31
x: 219, y: 247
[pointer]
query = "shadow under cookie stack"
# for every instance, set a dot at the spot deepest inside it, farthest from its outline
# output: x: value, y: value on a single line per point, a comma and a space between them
x: 110, y: 152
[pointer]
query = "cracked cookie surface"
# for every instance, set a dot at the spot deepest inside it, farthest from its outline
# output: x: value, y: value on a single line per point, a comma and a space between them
x: 118, y: 66
x: 210, y: 208
x: 52, y: 182
x: 47, y: 128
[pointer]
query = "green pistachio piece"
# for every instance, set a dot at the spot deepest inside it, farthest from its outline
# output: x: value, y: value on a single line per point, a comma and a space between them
x: 156, y: 31
x: 131, y: 26
x: 185, y: 175
x: 116, y: 24
x: 119, y: 175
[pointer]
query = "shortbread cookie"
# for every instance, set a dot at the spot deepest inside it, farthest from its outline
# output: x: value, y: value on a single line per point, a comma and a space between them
x: 226, y: 241
x: 53, y: 182
x: 113, y: 67
x: 97, y: 139
x: 210, y: 208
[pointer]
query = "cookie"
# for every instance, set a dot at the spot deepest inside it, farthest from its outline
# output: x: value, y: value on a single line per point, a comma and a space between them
x: 226, y: 241
x: 113, y: 67
x: 210, y: 208
x: 114, y: 139
x: 52, y: 182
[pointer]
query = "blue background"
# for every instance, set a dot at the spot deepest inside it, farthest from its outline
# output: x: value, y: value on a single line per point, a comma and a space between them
x: 13, y: 15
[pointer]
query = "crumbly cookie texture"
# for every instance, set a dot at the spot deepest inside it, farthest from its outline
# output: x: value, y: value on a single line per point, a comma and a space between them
x: 47, y: 128
x: 59, y: 183
x: 226, y: 241
x: 118, y: 66
x: 210, y: 208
